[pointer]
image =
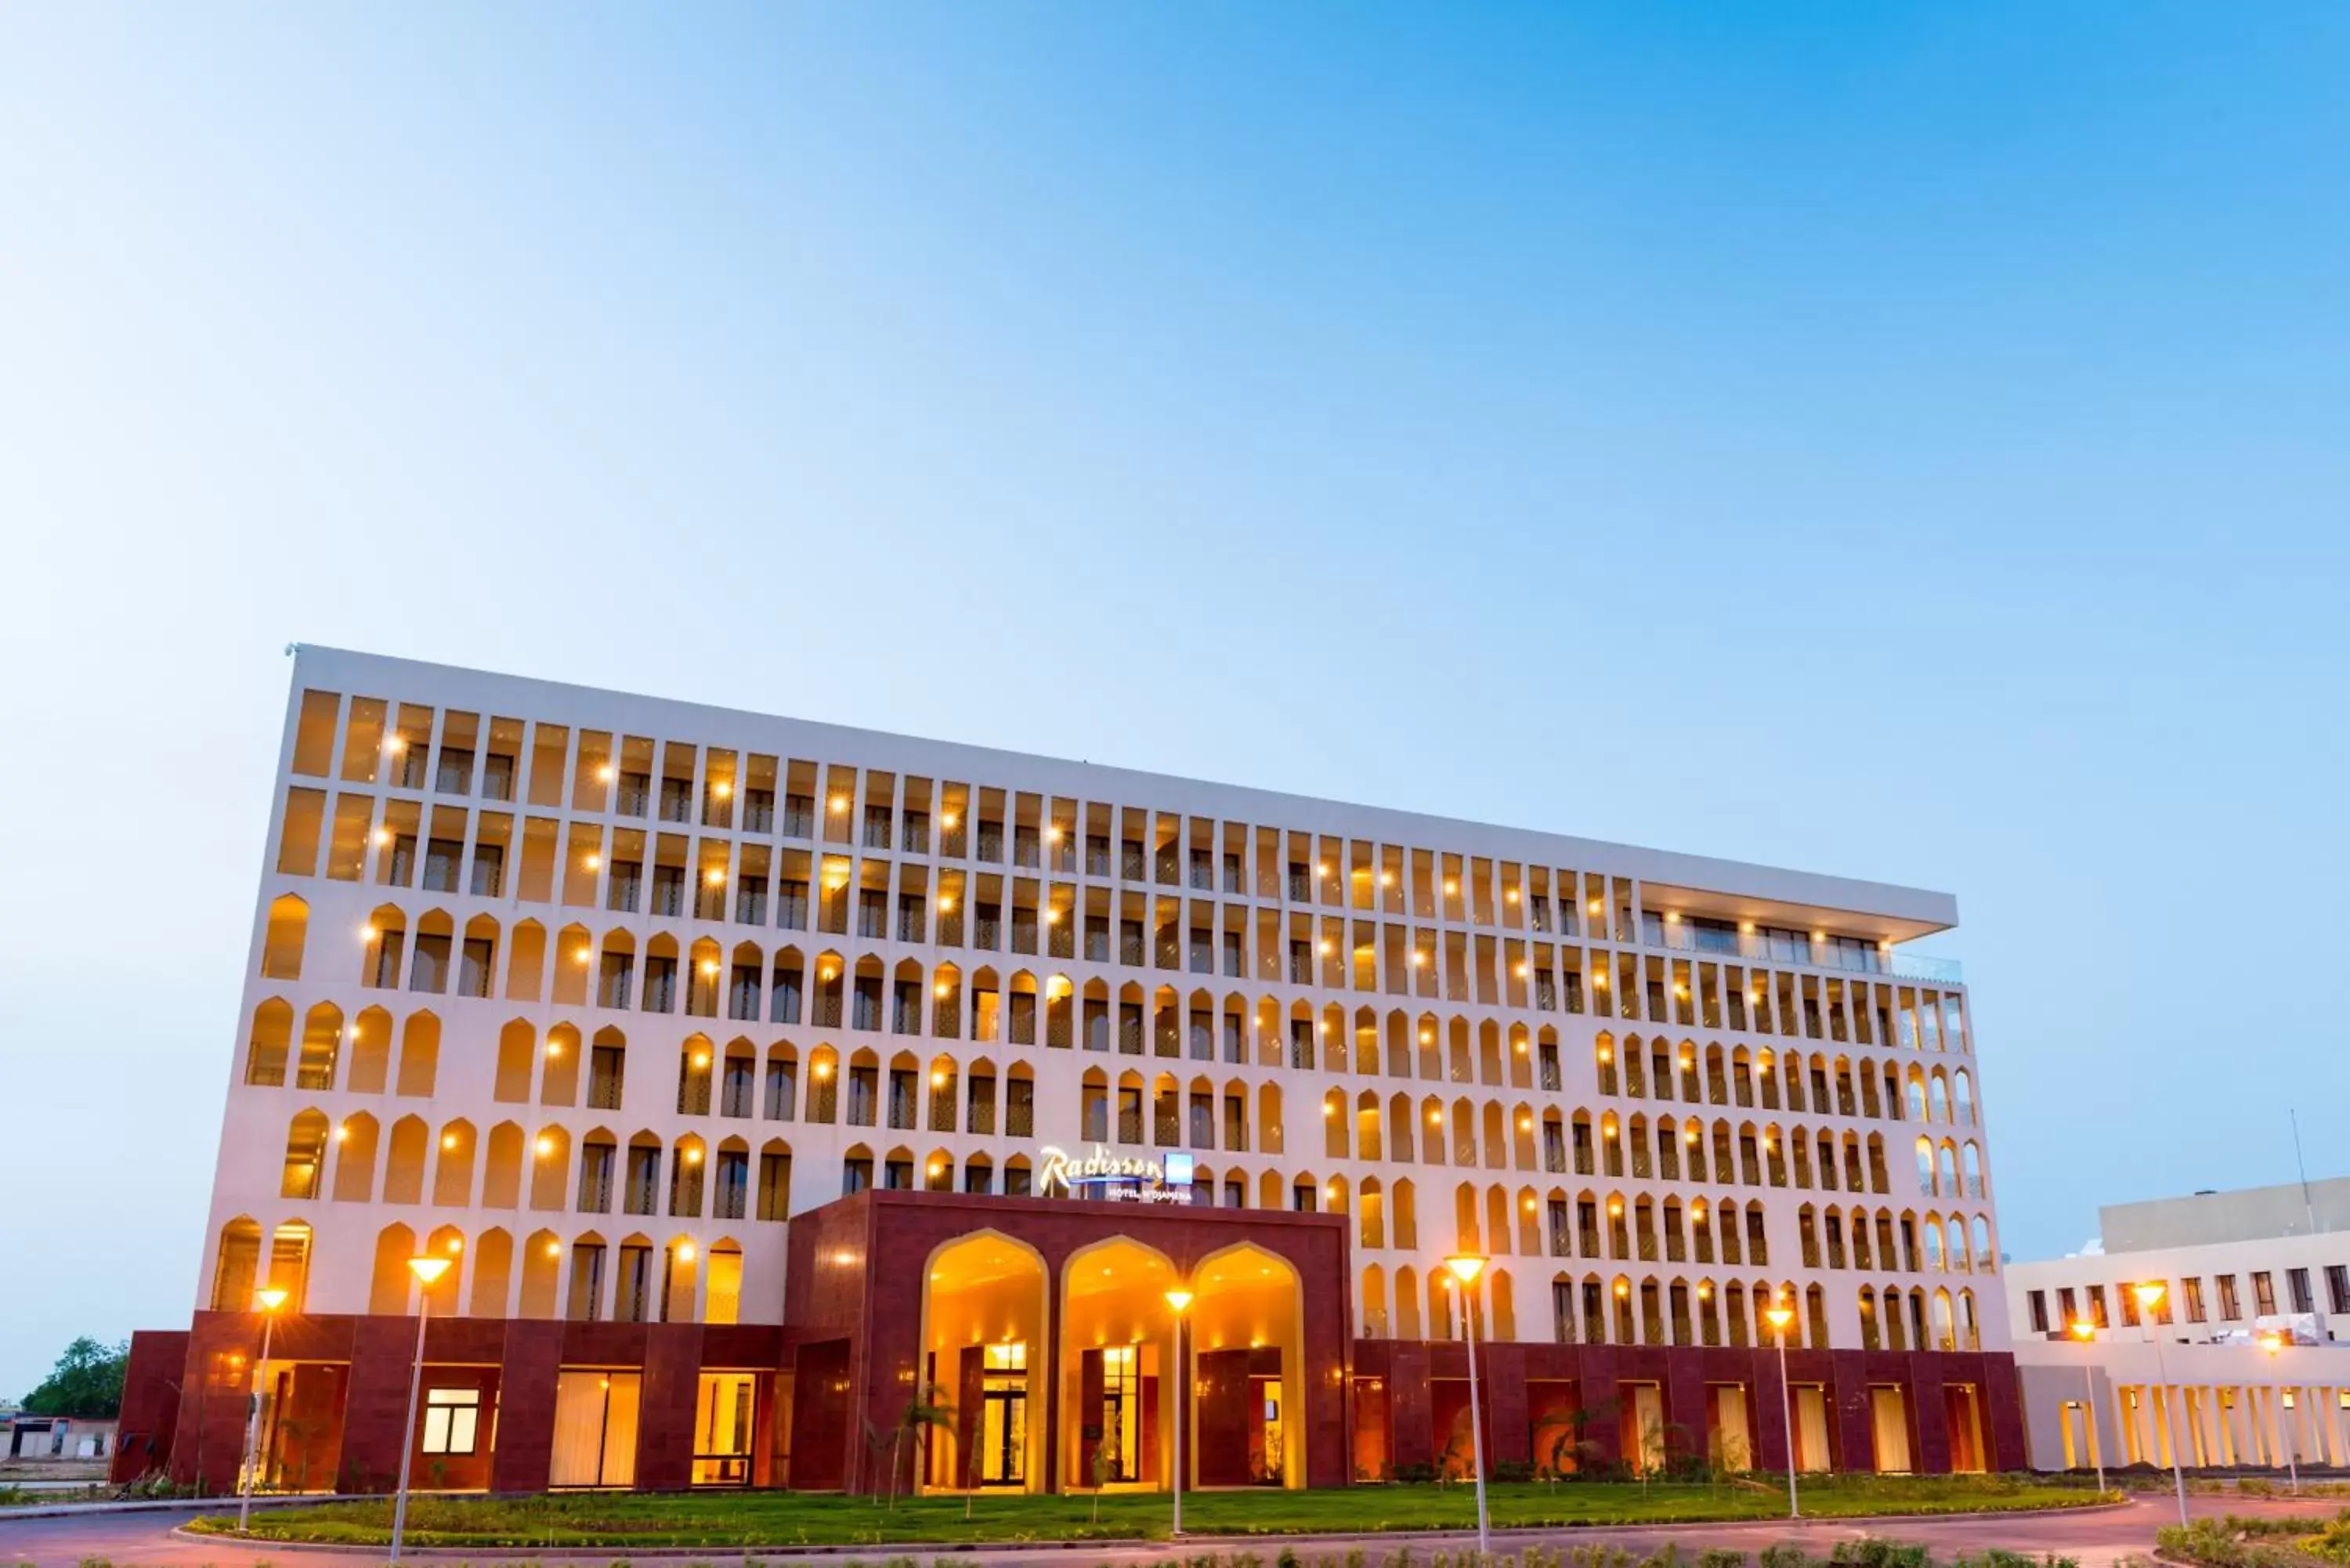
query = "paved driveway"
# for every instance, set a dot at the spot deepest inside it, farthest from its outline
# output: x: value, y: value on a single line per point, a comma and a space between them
x: 2096, y: 1537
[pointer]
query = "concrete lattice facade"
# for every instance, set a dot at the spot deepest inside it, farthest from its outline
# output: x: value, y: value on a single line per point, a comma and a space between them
x: 592, y: 992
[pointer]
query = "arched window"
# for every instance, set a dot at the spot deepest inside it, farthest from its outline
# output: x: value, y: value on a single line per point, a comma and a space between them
x: 452, y: 1171
x: 685, y: 1179
x: 525, y: 961
x: 267, y: 1043
x: 428, y: 967
x: 420, y: 1055
x: 1268, y: 1118
x: 306, y: 1155
x: 722, y: 1300
x: 502, y: 1168
x: 387, y: 1295
x: 283, y: 939
x: 517, y: 1049
x: 355, y: 1150
x: 322, y: 1043
x: 1375, y: 1303
x: 236, y: 1265
x: 492, y: 1273
x: 403, y: 1177
x: 542, y: 1267
x: 575, y: 967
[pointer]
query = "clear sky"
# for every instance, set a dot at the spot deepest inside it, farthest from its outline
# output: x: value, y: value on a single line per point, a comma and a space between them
x: 1908, y: 442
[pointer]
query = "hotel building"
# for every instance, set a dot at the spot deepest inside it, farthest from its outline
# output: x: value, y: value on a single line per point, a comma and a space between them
x: 735, y: 1064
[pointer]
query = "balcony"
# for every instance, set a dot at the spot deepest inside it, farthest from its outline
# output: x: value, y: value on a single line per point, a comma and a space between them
x: 1684, y: 936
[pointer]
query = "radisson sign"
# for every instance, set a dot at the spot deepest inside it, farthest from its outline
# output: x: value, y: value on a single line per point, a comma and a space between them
x: 1117, y: 1177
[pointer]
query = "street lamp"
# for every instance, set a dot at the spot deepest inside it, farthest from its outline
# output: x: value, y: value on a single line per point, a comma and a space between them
x: 1465, y: 1267
x: 270, y: 1300
x: 428, y: 1273
x: 2147, y: 1296
x: 2085, y: 1331
x: 1178, y: 1298
x: 2272, y: 1344
x: 1779, y: 1317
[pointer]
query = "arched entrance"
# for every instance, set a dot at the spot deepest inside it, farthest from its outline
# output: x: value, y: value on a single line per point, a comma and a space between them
x: 1247, y: 1355
x: 984, y: 1346
x: 1118, y: 1348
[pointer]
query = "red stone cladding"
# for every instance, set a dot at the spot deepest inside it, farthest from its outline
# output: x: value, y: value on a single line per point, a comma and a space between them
x: 200, y: 1434
x: 854, y: 1306
x: 857, y: 1276
x: 1424, y: 1384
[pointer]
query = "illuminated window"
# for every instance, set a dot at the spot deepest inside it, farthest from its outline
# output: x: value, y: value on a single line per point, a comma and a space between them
x: 452, y: 1419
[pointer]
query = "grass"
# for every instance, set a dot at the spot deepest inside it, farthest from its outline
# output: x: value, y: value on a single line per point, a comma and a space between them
x: 14, y: 1496
x: 780, y: 1519
x: 2236, y: 1542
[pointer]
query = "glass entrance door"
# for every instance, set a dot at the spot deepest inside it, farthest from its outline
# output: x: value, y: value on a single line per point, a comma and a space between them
x: 1004, y: 1416
x: 1121, y: 1406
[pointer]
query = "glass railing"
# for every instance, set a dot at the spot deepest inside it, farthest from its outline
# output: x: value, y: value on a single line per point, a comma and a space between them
x: 1681, y: 937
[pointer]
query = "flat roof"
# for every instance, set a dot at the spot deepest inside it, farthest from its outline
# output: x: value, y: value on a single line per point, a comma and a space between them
x: 1733, y: 889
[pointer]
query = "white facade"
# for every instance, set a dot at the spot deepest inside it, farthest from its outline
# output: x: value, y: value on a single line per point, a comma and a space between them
x: 826, y: 955
x: 2237, y: 1269
x: 2292, y: 1286
x: 2236, y: 1405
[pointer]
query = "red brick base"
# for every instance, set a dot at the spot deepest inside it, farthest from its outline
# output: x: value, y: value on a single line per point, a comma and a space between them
x: 852, y: 1342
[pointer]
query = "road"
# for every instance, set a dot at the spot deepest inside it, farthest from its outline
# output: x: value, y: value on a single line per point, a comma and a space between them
x: 2097, y: 1538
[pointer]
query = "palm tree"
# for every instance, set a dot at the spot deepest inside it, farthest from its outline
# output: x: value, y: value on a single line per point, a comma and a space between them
x: 930, y: 1408
x: 1573, y: 1440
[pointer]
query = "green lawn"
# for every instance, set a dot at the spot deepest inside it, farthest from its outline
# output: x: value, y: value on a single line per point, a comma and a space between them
x: 777, y: 1519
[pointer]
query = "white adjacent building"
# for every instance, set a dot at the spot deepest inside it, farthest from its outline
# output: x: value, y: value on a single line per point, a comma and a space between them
x: 2246, y: 1351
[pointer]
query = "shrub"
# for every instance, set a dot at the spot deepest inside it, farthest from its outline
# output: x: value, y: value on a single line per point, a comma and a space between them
x: 2236, y: 1542
x: 1722, y: 1557
x: 1786, y: 1554
x: 1873, y: 1551
x: 1417, y: 1473
x: 1513, y: 1469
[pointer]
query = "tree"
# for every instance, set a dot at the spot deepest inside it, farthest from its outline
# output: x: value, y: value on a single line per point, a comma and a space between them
x: 927, y: 1410
x: 85, y: 1381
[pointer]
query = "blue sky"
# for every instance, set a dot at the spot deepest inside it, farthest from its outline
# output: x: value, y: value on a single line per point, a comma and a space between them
x: 1903, y: 441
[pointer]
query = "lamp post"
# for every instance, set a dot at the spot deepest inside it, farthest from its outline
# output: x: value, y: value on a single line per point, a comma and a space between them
x: 2147, y: 1296
x: 270, y: 1300
x: 2274, y: 1344
x: 2085, y: 1331
x: 1178, y: 1299
x: 1465, y: 1267
x: 428, y: 1273
x: 1781, y: 1316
